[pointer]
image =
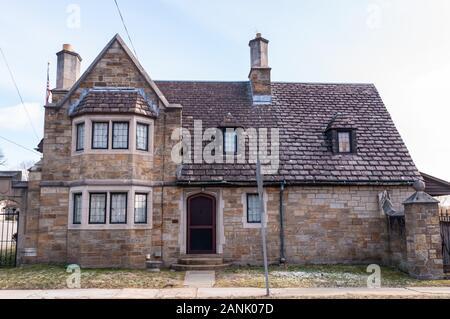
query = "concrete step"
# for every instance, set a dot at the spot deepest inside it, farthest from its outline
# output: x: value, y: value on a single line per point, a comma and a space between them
x: 184, y: 267
x: 200, y: 260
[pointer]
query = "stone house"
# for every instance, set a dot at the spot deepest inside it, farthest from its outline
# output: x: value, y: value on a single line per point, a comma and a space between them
x: 108, y: 192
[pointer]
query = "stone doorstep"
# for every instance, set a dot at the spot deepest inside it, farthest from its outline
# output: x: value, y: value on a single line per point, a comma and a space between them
x: 182, y: 267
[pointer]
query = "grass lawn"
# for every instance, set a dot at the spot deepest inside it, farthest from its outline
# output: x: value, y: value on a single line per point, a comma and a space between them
x: 316, y: 276
x: 54, y: 277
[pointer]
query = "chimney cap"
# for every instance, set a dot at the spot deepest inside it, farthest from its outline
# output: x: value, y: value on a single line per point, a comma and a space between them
x: 68, y: 47
x: 258, y: 37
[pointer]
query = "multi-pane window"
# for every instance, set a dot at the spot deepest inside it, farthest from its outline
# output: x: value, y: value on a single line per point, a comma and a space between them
x: 100, y: 135
x: 140, y: 208
x: 120, y: 135
x: 77, y: 200
x: 253, y: 211
x: 344, y: 142
x: 230, y: 141
x: 80, y: 137
x: 142, y: 137
x: 118, y: 214
x: 97, y: 208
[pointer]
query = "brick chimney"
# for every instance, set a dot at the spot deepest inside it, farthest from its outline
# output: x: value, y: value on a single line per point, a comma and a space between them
x: 68, y: 68
x: 260, y: 71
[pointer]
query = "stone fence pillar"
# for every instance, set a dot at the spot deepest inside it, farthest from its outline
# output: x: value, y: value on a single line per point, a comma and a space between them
x: 423, y: 236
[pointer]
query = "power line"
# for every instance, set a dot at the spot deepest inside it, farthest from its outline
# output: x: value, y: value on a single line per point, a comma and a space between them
x: 21, y: 146
x: 126, y: 29
x: 18, y: 92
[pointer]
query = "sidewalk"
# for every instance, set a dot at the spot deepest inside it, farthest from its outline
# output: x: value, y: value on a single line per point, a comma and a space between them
x: 191, y: 293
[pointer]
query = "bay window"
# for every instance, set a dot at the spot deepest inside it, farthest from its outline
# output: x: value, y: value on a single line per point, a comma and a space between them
x: 100, y: 132
x: 80, y: 137
x: 77, y: 208
x: 142, y: 137
x: 118, y: 209
x: 140, y: 208
x: 97, y: 208
x: 120, y: 135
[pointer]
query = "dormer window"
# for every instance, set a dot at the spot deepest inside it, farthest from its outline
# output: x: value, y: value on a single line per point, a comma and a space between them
x: 341, y: 134
x: 230, y: 141
x: 344, y: 142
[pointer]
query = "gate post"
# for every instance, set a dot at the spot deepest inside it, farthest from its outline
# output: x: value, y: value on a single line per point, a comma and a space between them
x: 423, y: 236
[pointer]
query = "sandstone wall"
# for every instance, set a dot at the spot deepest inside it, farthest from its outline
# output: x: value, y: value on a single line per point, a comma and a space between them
x: 322, y: 225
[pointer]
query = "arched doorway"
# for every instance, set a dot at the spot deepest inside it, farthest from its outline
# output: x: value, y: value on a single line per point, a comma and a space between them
x: 201, y: 224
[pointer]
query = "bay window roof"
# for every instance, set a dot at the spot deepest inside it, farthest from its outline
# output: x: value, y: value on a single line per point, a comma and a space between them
x: 114, y: 100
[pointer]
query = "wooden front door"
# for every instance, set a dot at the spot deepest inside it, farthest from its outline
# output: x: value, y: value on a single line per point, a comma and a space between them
x: 201, y: 224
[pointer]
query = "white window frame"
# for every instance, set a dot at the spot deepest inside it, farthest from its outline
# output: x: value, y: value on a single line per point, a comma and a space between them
x: 245, y: 223
x: 132, y: 145
x: 86, y: 190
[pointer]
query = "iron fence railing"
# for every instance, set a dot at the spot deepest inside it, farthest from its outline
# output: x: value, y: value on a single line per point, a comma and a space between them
x: 9, y: 223
x: 444, y: 218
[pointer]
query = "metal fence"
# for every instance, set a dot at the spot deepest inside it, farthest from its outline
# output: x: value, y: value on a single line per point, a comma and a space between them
x: 9, y: 221
x: 444, y: 217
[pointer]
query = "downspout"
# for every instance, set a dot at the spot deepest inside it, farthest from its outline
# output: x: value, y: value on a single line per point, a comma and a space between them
x: 282, y: 252
x: 162, y: 187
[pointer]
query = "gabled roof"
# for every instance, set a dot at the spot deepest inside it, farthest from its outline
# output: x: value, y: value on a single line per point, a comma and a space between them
x: 341, y: 121
x: 114, y: 100
x: 435, y: 186
x: 119, y: 39
x: 302, y: 112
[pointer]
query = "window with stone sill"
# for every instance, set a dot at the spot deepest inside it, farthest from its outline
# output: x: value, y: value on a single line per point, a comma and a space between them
x: 142, y: 136
x: 80, y: 137
x: 100, y: 135
x: 253, y: 211
x: 110, y: 208
x: 140, y: 208
x: 120, y: 135
x: 77, y: 208
x: 118, y: 208
x: 97, y: 208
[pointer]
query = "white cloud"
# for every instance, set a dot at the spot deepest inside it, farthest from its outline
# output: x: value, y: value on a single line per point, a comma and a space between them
x: 14, y: 118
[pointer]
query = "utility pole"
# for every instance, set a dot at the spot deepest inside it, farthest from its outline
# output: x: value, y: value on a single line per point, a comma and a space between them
x: 259, y: 180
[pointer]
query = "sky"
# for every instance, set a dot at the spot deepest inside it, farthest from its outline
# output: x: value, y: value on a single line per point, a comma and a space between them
x: 402, y: 46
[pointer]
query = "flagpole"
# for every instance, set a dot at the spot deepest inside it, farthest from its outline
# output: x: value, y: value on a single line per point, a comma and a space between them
x: 48, y: 91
